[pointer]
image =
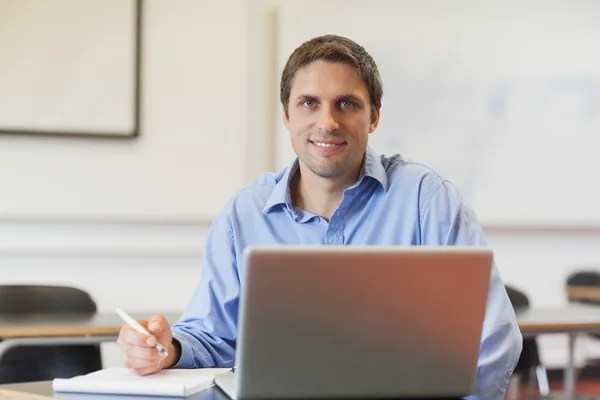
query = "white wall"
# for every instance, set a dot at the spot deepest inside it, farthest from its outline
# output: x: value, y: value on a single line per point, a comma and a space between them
x: 126, y: 220
x: 202, y: 118
x: 483, y: 94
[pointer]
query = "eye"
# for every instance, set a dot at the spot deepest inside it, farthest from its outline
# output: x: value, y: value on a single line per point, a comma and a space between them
x: 346, y: 104
x: 308, y: 103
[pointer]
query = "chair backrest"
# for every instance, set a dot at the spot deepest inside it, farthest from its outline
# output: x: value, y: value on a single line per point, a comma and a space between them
x: 40, y: 363
x: 586, y: 277
x: 40, y: 299
x: 517, y: 298
x: 529, y: 354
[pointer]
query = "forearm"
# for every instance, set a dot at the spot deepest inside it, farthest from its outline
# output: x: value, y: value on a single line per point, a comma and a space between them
x: 194, y: 348
x: 207, y: 329
x: 501, y: 344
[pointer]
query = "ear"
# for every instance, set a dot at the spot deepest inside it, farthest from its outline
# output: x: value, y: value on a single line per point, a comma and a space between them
x: 286, y: 118
x: 374, y: 120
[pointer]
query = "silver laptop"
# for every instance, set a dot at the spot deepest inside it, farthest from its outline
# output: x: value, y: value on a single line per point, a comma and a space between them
x: 352, y: 321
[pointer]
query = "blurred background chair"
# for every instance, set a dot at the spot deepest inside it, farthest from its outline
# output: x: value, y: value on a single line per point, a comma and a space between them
x: 583, y: 286
x: 529, y: 368
x: 38, y: 363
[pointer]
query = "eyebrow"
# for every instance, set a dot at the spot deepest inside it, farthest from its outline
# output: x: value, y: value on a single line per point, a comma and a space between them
x: 338, y: 98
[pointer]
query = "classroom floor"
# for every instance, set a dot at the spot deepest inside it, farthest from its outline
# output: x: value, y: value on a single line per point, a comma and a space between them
x: 588, y: 387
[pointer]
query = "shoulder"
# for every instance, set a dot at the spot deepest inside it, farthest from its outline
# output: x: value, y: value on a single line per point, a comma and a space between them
x: 445, y: 217
x: 415, y: 179
x: 400, y: 169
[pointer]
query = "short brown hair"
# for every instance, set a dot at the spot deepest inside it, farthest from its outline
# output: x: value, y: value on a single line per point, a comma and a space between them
x: 335, y: 49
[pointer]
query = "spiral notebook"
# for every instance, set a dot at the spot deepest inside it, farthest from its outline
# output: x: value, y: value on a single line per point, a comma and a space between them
x: 168, y: 382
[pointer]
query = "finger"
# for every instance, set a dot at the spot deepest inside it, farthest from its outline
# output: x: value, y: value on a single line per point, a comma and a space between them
x: 141, y: 364
x: 148, y: 353
x: 129, y: 337
x: 158, y: 324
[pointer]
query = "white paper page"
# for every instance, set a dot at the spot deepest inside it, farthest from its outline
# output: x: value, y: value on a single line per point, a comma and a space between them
x: 170, y: 382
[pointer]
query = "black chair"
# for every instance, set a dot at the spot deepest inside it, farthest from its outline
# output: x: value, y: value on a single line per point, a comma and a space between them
x: 39, y: 363
x: 585, y: 277
x: 529, y: 365
x: 583, y: 286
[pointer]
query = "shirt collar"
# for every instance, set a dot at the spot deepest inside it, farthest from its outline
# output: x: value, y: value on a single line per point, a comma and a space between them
x: 281, y: 194
x: 372, y: 167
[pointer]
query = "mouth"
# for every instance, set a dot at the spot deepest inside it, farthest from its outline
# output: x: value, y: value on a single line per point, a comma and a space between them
x: 327, y: 145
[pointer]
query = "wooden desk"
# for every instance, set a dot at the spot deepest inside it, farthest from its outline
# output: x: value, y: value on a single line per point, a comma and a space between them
x: 64, y: 329
x: 38, y: 389
x: 67, y: 324
x: 572, y: 319
x: 45, y: 389
x: 584, y: 293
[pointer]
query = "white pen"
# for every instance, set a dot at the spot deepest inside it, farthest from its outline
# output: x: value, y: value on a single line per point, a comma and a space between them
x: 136, y: 325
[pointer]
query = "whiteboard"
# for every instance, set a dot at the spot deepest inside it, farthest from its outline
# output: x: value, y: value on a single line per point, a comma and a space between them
x: 502, y: 98
x: 68, y: 67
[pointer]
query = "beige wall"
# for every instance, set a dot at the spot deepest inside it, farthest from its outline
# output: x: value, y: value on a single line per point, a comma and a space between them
x: 203, y: 118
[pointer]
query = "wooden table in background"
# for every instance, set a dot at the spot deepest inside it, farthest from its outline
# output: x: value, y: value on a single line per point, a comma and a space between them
x: 571, y: 319
x: 64, y: 329
x: 584, y: 293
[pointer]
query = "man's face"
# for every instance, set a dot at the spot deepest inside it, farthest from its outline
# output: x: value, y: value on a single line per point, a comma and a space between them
x: 329, y: 118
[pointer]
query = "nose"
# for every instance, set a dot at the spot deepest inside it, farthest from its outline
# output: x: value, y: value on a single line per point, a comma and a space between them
x: 327, y: 120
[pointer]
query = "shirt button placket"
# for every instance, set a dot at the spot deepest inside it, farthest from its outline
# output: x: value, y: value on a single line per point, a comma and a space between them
x: 335, y: 234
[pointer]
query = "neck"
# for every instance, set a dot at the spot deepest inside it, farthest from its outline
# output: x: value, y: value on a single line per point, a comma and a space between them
x: 318, y: 195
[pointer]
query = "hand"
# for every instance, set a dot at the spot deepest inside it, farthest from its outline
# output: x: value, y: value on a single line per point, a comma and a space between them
x: 139, y: 353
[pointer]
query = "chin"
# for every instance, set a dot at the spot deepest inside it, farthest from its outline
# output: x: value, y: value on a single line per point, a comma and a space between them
x: 329, y: 171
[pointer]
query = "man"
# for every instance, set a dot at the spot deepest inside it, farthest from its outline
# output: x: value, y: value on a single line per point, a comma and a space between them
x: 338, y: 191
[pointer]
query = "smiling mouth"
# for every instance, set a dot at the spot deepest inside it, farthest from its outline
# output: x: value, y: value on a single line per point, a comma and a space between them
x: 327, y: 146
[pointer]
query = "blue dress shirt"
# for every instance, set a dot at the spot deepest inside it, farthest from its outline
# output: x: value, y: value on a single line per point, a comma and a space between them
x: 394, y: 202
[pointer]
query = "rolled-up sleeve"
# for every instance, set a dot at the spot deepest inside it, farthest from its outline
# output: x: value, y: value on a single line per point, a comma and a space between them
x: 448, y: 220
x: 207, y: 329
